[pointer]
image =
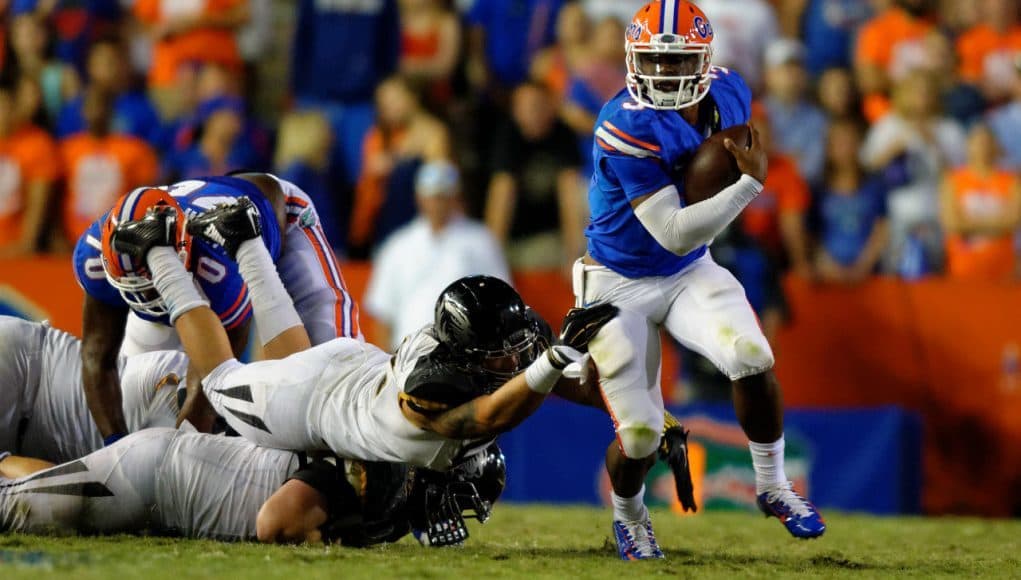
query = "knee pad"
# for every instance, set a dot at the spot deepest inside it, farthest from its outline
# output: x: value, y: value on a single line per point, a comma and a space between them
x: 639, y: 440
x: 751, y: 355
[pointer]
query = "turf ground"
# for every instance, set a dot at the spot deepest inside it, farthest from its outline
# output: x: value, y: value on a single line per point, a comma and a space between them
x: 556, y: 542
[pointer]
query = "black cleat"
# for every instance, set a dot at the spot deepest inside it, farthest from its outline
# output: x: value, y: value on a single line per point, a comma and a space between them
x: 135, y: 238
x: 228, y: 225
x: 673, y: 449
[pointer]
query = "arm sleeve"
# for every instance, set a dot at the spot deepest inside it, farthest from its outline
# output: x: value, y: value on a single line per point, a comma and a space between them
x: 683, y: 229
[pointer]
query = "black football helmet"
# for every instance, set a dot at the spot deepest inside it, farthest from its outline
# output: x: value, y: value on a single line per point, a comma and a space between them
x: 439, y: 502
x: 486, y: 327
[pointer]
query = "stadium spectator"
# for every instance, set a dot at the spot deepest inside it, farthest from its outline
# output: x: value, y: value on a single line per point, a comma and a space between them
x: 75, y: 24
x: 1005, y: 122
x: 960, y: 101
x: 217, y: 145
x: 776, y: 219
x: 186, y: 33
x: 798, y: 125
x: 555, y: 65
x: 28, y: 166
x: 596, y: 81
x: 503, y: 38
x: 913, y: 144
x: 986, y: 52
x: 421, y: 258
x: 368, y: 36
x: 303, y: 157
x: 742, y: 29
x: 430, y: 48
x: 981, y: 211
x: 850, y: 210
x: 99, y: 165
x: 30, y: 57
x: 887, y: 46
x: 28, y: 101
x: 838, y: 95
x: 107, y: 70
x: 827, y: 28
x: 535, y: 205
x: 403, y: 137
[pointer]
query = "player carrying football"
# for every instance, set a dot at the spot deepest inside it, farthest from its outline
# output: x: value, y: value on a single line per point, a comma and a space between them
x: 648, y: 254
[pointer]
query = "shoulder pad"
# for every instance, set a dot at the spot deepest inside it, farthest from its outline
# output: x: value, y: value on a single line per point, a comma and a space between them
x: 437, y: 384
x: 733, y: 97
x: 88, y: 267
x: 625, y: 127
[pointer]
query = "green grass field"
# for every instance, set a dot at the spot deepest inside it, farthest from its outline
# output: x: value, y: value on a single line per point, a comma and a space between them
x: 555, y: 542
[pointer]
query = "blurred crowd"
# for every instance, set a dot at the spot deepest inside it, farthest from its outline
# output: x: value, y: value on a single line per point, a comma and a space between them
x: 455, y: 136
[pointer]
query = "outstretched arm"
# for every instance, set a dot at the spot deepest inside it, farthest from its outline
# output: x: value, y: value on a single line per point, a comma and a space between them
x: 518, y: 398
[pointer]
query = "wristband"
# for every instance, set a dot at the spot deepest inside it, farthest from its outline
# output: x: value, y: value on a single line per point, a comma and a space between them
x: 543, y: 374
x: 174, y: 283
x: 111, y: 439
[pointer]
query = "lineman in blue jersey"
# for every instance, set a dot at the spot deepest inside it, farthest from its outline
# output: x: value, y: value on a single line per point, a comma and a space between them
x: 648, y: 254
x: 121, y: 315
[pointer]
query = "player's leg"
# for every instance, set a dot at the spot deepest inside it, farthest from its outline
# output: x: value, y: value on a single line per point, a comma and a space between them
x: 711, y: 316
x: 309, y: 271
x: 20, y: 354
x: 627, y: 353
x: 109, y: 491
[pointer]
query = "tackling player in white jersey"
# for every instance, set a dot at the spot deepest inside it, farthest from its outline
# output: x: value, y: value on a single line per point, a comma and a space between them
x: 43, y: 412
x: 478, y: 371
x: 226, y: 488
x: 648, y: 254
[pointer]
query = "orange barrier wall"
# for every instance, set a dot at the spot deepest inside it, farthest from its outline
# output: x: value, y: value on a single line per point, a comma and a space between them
x: 949, y: 350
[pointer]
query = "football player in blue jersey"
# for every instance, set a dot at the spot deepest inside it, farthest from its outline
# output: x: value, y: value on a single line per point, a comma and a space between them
x: 648, y: 254
x: 123, y: 314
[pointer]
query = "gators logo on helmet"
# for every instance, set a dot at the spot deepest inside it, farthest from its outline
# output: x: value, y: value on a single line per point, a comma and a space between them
x: 669, y: 54
x: 130, y: 278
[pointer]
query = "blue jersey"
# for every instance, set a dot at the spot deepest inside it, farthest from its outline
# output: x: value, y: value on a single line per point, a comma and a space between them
x: 639, y: 150
x: 217, y: 274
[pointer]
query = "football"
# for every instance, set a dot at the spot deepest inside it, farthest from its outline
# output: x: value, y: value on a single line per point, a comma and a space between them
x: 713, y: 167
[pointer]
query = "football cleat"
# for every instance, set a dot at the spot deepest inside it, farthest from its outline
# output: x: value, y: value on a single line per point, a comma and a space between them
x: 797, y: 514
x: 228, y: 225
x: 135, y: 238
x: 636, y: 540
x: 673, y: 449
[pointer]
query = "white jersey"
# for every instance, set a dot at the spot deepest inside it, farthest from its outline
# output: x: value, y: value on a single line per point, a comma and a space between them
x: 43, y: 412
x: 199, y: 486
x: 213, y: 487
x: 342, y: 396
x: 369, y: 422
x: 110, y: 491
